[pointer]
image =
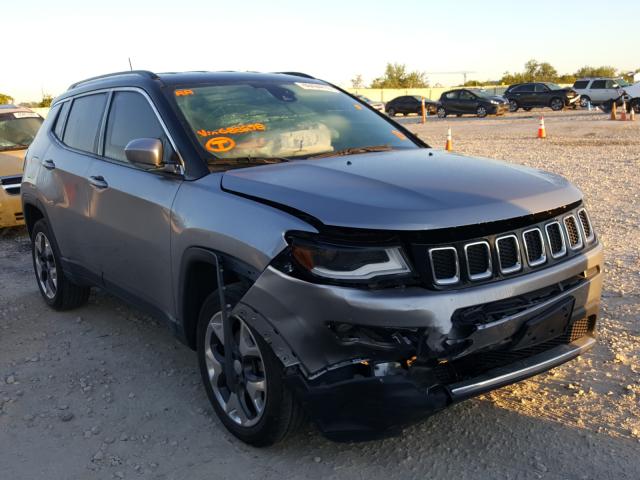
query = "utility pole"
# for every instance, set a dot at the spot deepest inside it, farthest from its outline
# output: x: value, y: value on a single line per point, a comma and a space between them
x: 130, y: 66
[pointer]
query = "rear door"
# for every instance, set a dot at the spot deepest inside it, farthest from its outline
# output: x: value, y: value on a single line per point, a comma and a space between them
x: 65, y: 184
x: 450, y: 101
x: 598, y: 91
x: 542, y: 95
x: 130, y: 208
x: 467, y: 102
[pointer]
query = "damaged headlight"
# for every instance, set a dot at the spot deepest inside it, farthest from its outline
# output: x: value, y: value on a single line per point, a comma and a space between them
x: 346, y: 263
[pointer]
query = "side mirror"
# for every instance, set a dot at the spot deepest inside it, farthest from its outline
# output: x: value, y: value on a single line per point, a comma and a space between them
x: 145, y: 152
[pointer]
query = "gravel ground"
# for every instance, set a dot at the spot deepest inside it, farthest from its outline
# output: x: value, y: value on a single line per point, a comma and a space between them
x: 106, y: 392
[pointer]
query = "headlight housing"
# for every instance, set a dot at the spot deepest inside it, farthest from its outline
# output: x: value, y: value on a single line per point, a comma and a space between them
x: 336, y: 262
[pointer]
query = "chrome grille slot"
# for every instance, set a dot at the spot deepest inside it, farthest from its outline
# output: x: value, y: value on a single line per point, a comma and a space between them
x: 585, y: 223
x: 508, y: 254
x: 573, y: 232
x: 444, y: 265
x: 478, y: 256
x: 556, y: 239
x: 534, y: 247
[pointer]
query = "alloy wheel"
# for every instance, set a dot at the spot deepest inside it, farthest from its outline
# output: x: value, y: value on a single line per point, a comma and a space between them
x: 556, y: 104
x: 482, y: 112
x: 442, y: 112
x: 243, y: 403
x: 513, y: 106
x: 45, y: 265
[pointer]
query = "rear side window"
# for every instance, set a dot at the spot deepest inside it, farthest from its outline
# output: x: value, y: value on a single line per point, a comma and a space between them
x: 82, y: 127
x: 130, y: 117
x: 581, y: 84
x: 62, y: 118
x: 527, y: 87
x: 598, y: 84
x: 451, y: 95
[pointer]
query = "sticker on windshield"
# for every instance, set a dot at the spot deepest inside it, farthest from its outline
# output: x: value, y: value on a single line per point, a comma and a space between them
x: 184, y: 92
x: 316, y: 86
x: 357, y: 107
x: 220, y: 144
x: 398, y: 134
x: 237, y: 129
x: 25, y: 115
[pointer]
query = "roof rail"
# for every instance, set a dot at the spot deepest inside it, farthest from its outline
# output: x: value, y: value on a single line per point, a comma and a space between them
x: 145, y: 73
x: 297, y: 74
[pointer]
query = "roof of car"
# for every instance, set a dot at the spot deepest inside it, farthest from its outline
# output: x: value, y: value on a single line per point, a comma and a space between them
x: 141, y: 78
x: 14, y: 109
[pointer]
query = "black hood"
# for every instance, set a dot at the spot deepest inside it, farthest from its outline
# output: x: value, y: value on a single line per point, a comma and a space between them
x: 415, y: 189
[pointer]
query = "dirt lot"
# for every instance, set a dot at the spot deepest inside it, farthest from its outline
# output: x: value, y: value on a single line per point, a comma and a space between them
x: 106, y: 392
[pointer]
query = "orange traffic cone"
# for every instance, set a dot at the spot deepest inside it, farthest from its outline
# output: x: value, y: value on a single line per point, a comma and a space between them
x: 449, y: 145
x: 542, y: 133
x: 623, y: 114
x: 632, y: 114
x: 614, y: 113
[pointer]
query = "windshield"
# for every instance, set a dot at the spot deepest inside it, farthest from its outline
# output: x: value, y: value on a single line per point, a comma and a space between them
x: 18, y: 129
x: 553, y: 86
x: 481, y: 92
x: 281, y: 121
x: 622, y: 82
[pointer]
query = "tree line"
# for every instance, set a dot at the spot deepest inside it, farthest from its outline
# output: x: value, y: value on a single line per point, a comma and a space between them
x: 397, y: 75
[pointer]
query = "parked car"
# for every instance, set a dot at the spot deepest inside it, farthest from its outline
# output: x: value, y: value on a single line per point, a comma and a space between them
x: 474, y: 101
x: 377, y: 105
x: 540, y: 95
x: 318, y: 257
x: 598, y: 91
x: 18, y: 127
x: 407, y: 104
x: 632, y: 92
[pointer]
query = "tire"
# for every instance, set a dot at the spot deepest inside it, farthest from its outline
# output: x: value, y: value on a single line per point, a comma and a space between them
x: 556, y: 104
x: 458, y: 115
x: 527, y: 109
x: 391, y: 112
x: 441, y: 112
x: 635, y: 104
x: 481, y: 111
x: 56, y: 289
x: 273, y: 412
x: 584, y: 101
x: 513, y: 106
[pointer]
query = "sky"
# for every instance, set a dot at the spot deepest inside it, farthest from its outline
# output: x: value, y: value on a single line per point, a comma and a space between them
x: 48, y: 45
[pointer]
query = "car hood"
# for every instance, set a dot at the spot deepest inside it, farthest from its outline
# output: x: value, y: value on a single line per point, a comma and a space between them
x: 11, y: 162
x: 413, y: 189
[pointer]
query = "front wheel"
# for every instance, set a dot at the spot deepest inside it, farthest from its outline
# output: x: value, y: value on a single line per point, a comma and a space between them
x: 481, y: 111
x: 391, y: 112
x: 56, y: 289
x: 584, y: 101
x: 556, y: 104
x: 635, y: 105
x: 254, y: 405
x: 513, y: 106
x: 442, y: 113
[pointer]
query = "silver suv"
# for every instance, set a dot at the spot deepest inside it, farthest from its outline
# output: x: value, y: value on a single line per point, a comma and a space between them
x: 599, y: 91
x: 319, y: 257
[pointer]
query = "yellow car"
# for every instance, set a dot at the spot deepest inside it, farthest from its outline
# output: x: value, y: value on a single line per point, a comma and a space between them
x: 18, y: 127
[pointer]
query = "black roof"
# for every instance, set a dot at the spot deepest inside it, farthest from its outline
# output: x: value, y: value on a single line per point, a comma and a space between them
x: 145, y: 78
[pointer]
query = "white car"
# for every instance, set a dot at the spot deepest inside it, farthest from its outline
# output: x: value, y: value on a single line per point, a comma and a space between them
x: 633, y: 93
x: 599, y: 90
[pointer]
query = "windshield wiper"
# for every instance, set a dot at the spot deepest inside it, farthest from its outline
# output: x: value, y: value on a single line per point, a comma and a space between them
x: 249, y: 161
x: 353, y: 151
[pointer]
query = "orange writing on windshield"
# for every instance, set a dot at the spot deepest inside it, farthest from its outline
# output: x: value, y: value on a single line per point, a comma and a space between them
x: 220, y: 144
x: 183, y: 92
x: 398, y: 134
x: 251, y: 127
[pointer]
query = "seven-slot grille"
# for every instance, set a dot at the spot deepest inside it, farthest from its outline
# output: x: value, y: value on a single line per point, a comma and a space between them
x: 11, y: 185
x: 521, y: 251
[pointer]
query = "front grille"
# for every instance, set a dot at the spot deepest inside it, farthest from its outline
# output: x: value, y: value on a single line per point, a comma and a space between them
x: 444, y: 265
x: 573, y: 234
x: 478, y: 256
x: 534, y: 247
x: 508, y: 254
x: 586, y: 225
x: 11, y: 185
x: 555, y: 239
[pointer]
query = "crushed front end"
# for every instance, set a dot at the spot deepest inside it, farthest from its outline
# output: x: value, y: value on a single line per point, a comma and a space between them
x: 484, y: 306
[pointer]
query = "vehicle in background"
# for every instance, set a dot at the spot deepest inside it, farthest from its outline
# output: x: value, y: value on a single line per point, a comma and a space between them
x: 377, y: 105
x: 475, y: 101
x: 407, y: 104
x: 598, y: 91
x: 632, y: 92
x: 18, y: 127
x: 540, y: 95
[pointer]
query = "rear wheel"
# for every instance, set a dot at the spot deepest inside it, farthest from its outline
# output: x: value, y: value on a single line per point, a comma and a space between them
x: 458, y: 115
x: 391, y: 112
x: 556, y: 104
x: 635, y: 104
x: 513, y: 106
x: 56, y: 289
x: 584, y: 101
x: 442, y: 113
x: 481, y: 111
x: 254, y: 405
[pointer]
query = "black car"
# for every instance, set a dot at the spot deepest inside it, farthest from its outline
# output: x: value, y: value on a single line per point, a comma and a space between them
x: 477, y: 101
x: 409, y: 104
x: 540, y: 95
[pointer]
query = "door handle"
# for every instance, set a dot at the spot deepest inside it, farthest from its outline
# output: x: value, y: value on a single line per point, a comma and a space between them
x: 49, y: 164
x: 98, y: 181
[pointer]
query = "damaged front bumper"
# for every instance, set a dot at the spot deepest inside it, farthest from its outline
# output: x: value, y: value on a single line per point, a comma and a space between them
x: 365, y: 362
